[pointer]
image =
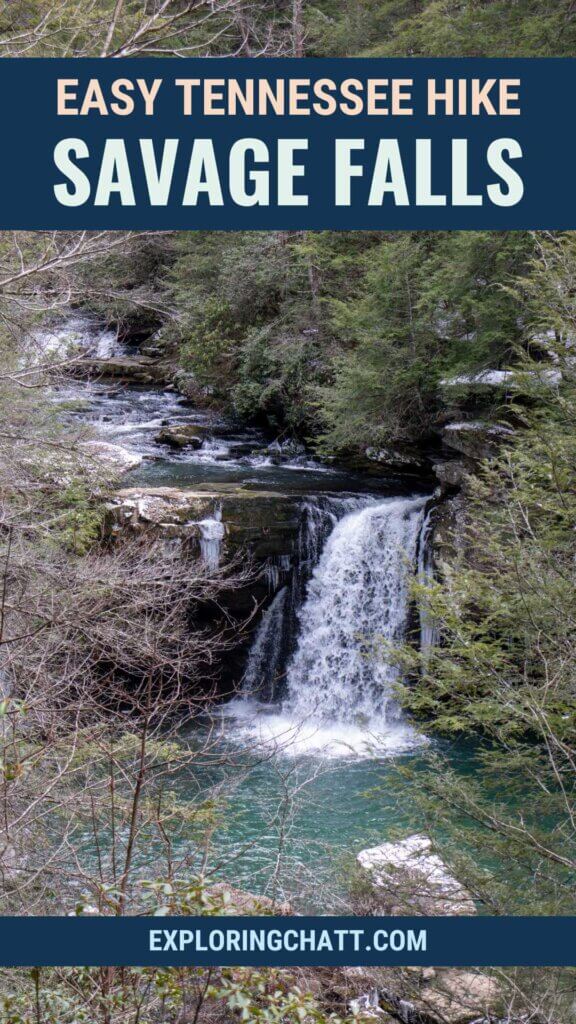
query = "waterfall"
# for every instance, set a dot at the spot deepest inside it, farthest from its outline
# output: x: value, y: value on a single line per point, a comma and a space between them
x: 338, y: 693
x: 263, y: 670
x: 276, y: 635
x: 77, y: 335
x: 357, y: 600
x: 211, y: 534
x: 428, y: 630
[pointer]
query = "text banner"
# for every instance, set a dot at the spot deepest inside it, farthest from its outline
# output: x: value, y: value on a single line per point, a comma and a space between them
x: 284, y: 942
x: 287, y: 144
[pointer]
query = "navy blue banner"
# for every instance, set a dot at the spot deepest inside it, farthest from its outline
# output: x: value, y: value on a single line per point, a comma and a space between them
x: 287, y: 144
x: 288, y: 942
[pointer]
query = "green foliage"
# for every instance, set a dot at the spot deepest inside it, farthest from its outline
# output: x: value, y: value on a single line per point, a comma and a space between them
x: 270, y: 997
x: 505, y: 608
x: 426, y: 307
x: 442, y: 28
x: 344, y: 337
x: 68, y: 996
x: 82, y: 519
x: 247, y: 319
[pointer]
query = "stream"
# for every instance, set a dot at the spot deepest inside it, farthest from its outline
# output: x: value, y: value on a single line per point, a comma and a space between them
x: 313, y: 741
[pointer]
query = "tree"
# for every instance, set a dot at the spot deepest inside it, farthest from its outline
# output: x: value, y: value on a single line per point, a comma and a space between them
x: 505, y: 666
x: 135, y: 28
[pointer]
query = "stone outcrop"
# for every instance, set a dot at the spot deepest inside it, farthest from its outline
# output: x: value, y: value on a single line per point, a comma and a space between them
x: 458, y: 997
x: 447, y: 534
x: 402, y: 460
x: 264, y: 522
x: 476, y: 439
x: 395, y: 458
x: 451, y: 474
x: 128, y: 369
x: 409, y: 878
x: 438, y: 996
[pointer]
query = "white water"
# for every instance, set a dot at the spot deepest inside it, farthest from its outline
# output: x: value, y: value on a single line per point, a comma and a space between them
x: 358, y: 594
x: 340, y: 679
x: 264, y: 662
x: 428, y: 629
x: 74, y: 336
x: 211, y: 534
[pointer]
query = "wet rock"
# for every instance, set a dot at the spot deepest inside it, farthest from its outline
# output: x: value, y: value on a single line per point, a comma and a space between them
x: 381, y: 461
x: 264, y: 522
x: 132, y: 369
x: 448, y: 519
x: 284, y: 451
x: 408, y: 878
x: 243, y: 450
x: 367, y: 1007
x: 394, y: 458
x: 182, y: 435
x: 140, y: 509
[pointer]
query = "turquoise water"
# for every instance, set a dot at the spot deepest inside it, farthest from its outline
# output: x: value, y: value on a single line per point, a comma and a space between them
x: 291, y: 827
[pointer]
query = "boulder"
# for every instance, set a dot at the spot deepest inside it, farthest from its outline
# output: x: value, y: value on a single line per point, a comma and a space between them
x: 408, y: 878
x: 459, y: 997
x: 452, y: 473
x: 394, y: 458
x: 284, y: 451
x: 182, y: 435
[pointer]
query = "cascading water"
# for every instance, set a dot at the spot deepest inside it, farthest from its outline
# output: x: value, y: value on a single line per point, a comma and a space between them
x: 358, y: 594
x: 428, y: 629
x: 77, y: 334
x: 275, y: 637
x: 263, y: 671
x: 346, y: 588
x: 211, y: 535
x: 339, y: 680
